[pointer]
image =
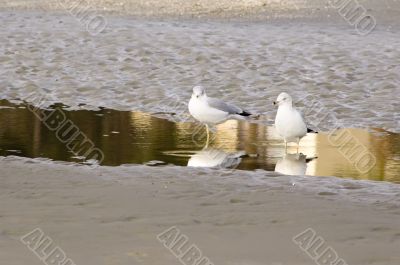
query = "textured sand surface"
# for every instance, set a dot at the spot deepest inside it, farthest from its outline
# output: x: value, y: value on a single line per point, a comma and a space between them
x: 152, y: 66
x: 385, y: 10
x: 112, y: 215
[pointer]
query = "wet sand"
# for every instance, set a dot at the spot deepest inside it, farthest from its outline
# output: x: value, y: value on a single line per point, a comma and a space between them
x: 109, y: 216
x: 137, y: 65
x: 386, y: 11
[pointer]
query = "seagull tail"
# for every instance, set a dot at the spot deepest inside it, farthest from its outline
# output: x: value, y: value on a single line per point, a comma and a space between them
x: 244, y: 113
x: 308, y: 160
x: 311, y: 131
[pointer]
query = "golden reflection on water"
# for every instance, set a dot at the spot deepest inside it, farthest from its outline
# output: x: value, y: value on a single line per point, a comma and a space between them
x: 137, y: 138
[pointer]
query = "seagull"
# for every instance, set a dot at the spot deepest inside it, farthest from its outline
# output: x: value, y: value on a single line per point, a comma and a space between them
x: 211, y: 111
x: 289, y: 122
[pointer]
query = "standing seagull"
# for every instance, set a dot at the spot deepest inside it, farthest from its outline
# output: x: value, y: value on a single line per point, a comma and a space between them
x: 289, y: 122
x: 212, y: 111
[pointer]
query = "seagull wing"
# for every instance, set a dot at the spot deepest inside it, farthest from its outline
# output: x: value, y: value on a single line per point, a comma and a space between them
x: 226, y: 107
x: 302, y: 118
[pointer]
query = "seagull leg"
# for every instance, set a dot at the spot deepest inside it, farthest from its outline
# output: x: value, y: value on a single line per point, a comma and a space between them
x: 285, y: 147
x: 298, y: 144
x: 208, y: 136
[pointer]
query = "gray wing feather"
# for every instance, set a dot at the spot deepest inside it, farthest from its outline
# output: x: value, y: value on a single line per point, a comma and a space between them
x: 221, y: 105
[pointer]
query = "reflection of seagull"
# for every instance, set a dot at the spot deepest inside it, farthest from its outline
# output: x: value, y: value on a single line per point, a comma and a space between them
x: 212, y: 110
x: 293, y: 164
x: 288, y: 121
x: 210, y: 157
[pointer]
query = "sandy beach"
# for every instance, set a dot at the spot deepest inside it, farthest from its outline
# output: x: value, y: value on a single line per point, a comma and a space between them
x: 112, y: 216
x: 149, y: 51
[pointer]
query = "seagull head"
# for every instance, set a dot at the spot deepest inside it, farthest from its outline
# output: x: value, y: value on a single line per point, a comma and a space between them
x: 198, y: 92
x: 283, y: 99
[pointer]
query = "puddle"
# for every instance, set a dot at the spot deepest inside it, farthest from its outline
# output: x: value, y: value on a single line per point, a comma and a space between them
x: 138, y: 138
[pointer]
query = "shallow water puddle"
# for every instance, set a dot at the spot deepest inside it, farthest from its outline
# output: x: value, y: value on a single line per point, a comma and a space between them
x: 138, y: 138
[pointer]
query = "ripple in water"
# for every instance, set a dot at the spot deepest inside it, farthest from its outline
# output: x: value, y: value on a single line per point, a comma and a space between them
x: 128, y: 138
x: 134, y: 65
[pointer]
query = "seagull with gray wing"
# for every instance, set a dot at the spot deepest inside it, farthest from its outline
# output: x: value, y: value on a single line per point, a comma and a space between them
x: 211, y: 111
x: 289, y: 122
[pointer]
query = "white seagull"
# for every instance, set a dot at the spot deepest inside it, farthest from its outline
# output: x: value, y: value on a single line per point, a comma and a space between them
x: 289, y: 122
x: 211, y: 111
x: 293, y: 164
